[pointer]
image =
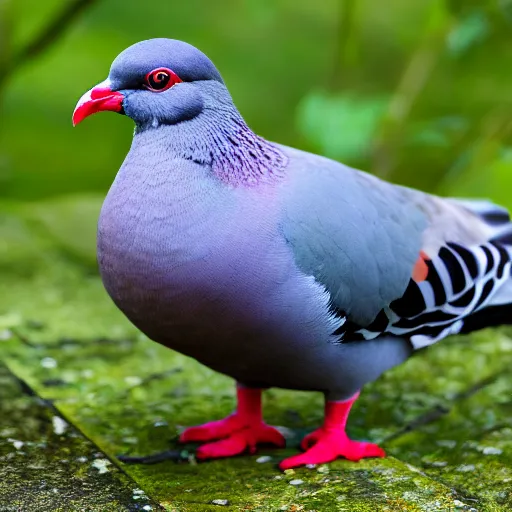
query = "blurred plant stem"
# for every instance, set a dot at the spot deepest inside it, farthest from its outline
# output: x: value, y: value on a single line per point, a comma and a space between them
x: 49, y: 35
x: 345, y: 43
x: 416, y: 74
x: 496, y: 127
x: 5, y: 31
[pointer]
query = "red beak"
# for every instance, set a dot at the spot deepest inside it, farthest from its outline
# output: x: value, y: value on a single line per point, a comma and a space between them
x: 97, y: 99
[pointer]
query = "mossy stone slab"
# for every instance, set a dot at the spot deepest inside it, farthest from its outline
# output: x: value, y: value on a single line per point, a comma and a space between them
x: 47, y: 465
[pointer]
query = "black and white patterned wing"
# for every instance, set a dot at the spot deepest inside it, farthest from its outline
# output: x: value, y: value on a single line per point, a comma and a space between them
x: 458, y: 282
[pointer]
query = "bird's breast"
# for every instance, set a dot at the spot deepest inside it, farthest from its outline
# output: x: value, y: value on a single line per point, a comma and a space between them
x: 184, y: 257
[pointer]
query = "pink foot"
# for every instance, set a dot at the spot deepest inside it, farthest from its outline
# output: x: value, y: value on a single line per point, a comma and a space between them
x: 239, y: 432
x: 328, y: 446
x: 330, y: 441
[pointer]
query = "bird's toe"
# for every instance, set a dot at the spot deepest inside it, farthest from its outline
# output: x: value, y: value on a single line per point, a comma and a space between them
x: 211, y: 431
x: 246, y: 439
x: 235, y: 444
x: 311, y: 439
x: 330, y: 446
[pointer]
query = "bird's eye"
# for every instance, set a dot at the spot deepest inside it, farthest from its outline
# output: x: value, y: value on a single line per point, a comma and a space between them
x: 161, y: 79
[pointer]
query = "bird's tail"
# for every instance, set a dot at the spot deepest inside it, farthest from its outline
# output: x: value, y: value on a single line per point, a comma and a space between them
x: 498, y: 310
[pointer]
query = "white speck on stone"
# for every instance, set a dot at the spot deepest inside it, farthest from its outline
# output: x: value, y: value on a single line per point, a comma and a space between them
x: 138, y: 494
x: 263, y: 459
x: 147, y: 507
x: 278, y: 477
x: 490, y: 450
x: 133, y: 380
x: 466, y: 468
x: 82, y: 459
x: 296, y: 481
x: 49, y: 363
x: 311, y: 466
x: 447, y: 443
x: 222, y: 503
x: 161, y: 423
x: 5, y: 335
x: 458, y: 503
x: 17, y: 444
x: 414, y: 468
x: 59, y: 425
x: 410, y: 496
x: 101, y: 465
x: 439, y: 464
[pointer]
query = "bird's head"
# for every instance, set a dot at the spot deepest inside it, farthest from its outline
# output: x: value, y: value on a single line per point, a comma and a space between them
x: 154, y: 82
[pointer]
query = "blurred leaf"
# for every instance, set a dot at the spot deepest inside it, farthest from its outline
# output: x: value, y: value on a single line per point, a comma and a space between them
x: 341, y: 126
x: 470, y: 31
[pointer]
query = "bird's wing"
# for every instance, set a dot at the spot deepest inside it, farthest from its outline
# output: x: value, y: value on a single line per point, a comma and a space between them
x: 394, y: 260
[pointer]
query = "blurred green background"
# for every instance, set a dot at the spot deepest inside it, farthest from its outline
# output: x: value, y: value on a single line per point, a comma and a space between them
x: 416, y: 91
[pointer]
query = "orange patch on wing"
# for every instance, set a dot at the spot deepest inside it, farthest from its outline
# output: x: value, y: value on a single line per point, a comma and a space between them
x: 420, y: 270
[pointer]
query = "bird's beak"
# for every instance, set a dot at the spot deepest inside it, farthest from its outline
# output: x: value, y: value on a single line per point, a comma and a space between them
x: 99, y: 98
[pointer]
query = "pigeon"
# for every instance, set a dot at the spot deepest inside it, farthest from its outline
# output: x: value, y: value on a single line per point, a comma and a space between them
x: 276, y: 267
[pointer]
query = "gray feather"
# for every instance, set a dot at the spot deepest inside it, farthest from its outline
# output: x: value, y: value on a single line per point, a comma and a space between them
x: 358, y: 236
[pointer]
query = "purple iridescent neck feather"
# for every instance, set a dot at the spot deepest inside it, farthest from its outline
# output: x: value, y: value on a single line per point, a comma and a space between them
x: 219, y: 138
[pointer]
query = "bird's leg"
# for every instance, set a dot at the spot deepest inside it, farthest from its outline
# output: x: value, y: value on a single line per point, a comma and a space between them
x: 331, y: 441
x: 243, y: 430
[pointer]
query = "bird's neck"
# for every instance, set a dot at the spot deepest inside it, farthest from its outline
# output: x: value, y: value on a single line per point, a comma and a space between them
x: 220, y: 139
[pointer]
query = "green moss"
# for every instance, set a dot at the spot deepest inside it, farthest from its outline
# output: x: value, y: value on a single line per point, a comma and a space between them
x: 130, y: 396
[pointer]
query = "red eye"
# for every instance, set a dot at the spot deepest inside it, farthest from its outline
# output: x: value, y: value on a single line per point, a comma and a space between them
x: 161, y: 79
